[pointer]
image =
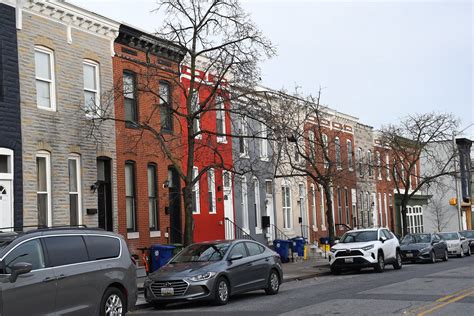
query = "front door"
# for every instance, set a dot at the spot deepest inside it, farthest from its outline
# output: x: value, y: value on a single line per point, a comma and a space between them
x: 228, y: 204
x: 104, y: 192
x: 174, y: 208
x: 269, y: 207
x: 6, y: 204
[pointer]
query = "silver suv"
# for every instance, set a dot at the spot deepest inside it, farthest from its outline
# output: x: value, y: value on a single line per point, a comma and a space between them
x: 69, y: 271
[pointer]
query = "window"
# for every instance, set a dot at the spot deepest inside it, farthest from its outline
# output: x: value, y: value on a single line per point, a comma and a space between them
x: 386, y: 209
x: 254, y: 249
x: 220, y: 119
x: 326, y: 153
x: 346, y: 195
x: 63, y: 250
x: 296, y: 152
x: 337, y: 145
x: 286, y: 202
x: 415, y: 176
x: 152, y: 198
x: 415, y: 219
x: 166, y: 111
x: 303, y: 204
x: 380, y: 209
x: 321, y: 207
x: 45, y: 83
x: 402, y: 171
x: 359, y: 162
x: 211, y: 190
x: 263, y: 141
x: 6, y: 162
x: 30, y: 252
x: 312, y: 151
x: 244, y: 204
x: 256, y: 203
x: 91, y: 88
x: 361, y: 209
x: 129, y: 97
x: 339, y: 205
x: 349, y: 154
x: 102, y: 247
x: 313, y: 206
x: 196, y: 200
x: 379, y: 165
x: 238, y: 249
x: 369, y: 162
x: 43, y: 169
x: 195, y: 108
x: 269, y: 187
x: 75, y: 199
x: 395, y: 171
x: 130, y: 196
x: 387, y: 166
x: 369, y: 213
x: 243, y: 141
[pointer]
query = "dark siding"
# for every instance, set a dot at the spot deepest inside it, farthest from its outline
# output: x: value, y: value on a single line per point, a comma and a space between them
x: 10, y: 119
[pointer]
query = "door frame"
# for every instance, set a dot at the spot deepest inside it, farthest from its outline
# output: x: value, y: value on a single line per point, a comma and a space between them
x: 9, y: 177
x: 228, y: 203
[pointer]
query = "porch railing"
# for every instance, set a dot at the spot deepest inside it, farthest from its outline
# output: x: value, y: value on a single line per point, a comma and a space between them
x: 277, y: 233
x: 239, y: 232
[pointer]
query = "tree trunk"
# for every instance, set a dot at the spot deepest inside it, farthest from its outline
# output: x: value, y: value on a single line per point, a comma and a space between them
x: 332, y: 233
x: 404, y: 218
x: 188, y: 215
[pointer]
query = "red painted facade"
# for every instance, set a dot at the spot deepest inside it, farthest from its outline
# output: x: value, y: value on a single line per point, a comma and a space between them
x: 209, y: 223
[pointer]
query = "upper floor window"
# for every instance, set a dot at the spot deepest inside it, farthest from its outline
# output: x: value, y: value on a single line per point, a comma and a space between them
x: 379, y: 165
x: 369, y: 162
x: 196, y: 200
x: 243, y: 141
x: 129, y: 98
x: 359, y: 162
x: 387, y: 166
x: 166, y: 111
x: 337, y: 145
x: 263, y: 141
x: 45, y: 83
x: 91, y: 88
x: 349, y: 154
x: 326, y: 153
x: 220, y: 119
x: 312, y: 150
x: 195, y: 108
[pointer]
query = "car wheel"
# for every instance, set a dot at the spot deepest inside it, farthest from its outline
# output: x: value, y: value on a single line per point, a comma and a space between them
x: 432, y: 257
x: 398, y: 261
x: 335, y: 270
x: 380, y: 266
x: 221, y: 292
x: 113, y: 303
x: 273, y: 284
x: 445, y: 258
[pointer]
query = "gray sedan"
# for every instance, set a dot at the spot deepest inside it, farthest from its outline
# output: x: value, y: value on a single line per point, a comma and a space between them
x: 215, y: 271
x: 457, y: 244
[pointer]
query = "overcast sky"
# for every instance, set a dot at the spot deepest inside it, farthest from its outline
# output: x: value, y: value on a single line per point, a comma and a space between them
x: 376, y: 60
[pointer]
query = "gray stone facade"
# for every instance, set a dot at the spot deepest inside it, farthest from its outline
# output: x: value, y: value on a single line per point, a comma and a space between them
x: 66, y: 130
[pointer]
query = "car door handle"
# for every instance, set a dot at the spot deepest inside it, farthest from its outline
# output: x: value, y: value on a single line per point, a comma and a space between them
x: 60, y: 277
x: 49, y: 279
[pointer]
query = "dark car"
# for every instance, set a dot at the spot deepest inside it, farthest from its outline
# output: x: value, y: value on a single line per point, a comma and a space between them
x: 423, y: 247
x: 70, y: 271
x: 469, y: 235
x: 215, y: 271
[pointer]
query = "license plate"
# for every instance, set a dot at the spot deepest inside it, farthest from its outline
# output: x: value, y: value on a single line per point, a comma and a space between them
x: 349, y: 260
x: 409, y: 255
x: 167, y: 291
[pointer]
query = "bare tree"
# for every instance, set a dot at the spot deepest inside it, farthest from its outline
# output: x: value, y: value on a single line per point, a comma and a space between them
x: 440, y: 216
x: 410, y: 141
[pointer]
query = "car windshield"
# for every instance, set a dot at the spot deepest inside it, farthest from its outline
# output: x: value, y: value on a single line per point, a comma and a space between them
x: 417, y: 239
x: 468, y: 233
x: 450, y: 236
x: 201, y: 253
x: 359, y: 236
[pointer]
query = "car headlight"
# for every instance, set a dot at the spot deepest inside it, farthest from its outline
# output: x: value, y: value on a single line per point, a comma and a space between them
x: 202, y: 277
x: 367, y: 248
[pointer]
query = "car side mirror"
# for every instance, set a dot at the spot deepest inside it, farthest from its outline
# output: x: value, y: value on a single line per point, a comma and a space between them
x: 236, y: 257
x: 18, y: 269
x: 463, y: 238
x: 383, y: 239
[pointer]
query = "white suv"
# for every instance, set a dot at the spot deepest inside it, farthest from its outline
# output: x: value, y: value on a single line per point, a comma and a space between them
x: 357, y: 249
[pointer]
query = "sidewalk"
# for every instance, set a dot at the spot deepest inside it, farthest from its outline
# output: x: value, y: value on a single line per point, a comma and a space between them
x: 292, y: 271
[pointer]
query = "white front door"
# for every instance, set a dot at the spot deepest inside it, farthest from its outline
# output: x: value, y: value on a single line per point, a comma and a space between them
x: 269, y: 208
x: 228, y: 203
x: 6, y: 204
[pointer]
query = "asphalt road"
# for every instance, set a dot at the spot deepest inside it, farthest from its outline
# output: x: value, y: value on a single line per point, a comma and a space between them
x: 444, y: 288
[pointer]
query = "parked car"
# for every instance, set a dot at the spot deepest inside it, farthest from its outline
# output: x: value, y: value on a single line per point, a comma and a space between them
x: 214, y: 271
x: 66, y: 271
x: 423, y: 247
x: 457, y: 244
x: 469, y: 234
x: 363, y: 248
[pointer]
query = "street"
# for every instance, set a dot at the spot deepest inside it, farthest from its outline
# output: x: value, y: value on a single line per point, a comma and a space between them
x: 444, y: 288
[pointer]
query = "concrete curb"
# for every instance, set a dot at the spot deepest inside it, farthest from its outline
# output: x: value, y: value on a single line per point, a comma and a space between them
x: 285, y: 280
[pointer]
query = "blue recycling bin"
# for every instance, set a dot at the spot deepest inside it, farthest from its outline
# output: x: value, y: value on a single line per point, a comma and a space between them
x: 298, y: 245
x: 282, y: 247
x: 160, y: 255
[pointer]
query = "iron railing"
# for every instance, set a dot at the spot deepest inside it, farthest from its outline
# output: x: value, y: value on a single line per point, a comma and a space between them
x: 277, y: 233
x: 239, y: 232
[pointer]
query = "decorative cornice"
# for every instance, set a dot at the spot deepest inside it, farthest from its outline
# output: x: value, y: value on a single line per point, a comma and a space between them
x: 145, y: 42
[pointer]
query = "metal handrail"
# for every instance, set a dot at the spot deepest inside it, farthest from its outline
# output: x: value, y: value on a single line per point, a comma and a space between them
x: 239, y: 232
x: 278, y: 233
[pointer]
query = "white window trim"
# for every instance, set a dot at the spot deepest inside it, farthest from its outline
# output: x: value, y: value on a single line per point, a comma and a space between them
x: 196, y: 107
x: 378, y: 159
x: 244, y: 204
x: 258, y: 211
x: 285, y: 184
x: 196, y: 189
x: 212, y: 188
x: 8, y: 176
x: 387, y: 167
x: 323, y: 207
x: 77, y: 158
x: 52, y: 81
x: 98, y: 110
x: 350, y: 160
x: 243, y: 132
x: 302, y: 197
x: 386, y: 208
x: 325, y: 147
x: 263, y: 142
x: 312, y: 147
x: 221, y: 111
x: 47, y: 156
x: 337, y: 145
x: 313, y: 208
x: 379, y: 195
